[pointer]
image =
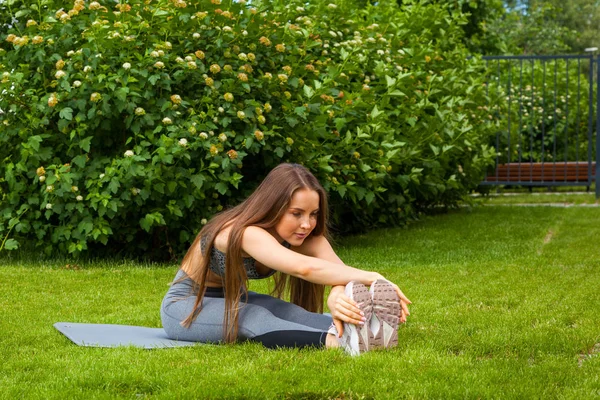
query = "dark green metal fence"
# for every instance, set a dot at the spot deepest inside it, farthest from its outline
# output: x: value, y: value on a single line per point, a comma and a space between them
x: 548, y: 120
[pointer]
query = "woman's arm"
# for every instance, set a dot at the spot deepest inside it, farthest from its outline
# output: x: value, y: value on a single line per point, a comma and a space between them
x: 342, y: 307
x: 262, y: 246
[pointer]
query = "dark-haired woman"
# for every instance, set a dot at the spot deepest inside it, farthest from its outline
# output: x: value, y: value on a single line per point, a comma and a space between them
x: 279, y: 231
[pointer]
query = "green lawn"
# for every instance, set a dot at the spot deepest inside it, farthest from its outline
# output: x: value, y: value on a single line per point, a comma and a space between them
x: 506, y: 303
x: 543, y: 197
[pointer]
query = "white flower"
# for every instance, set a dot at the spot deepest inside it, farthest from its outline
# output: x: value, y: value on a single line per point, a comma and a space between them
x: 333, y: 34
x: 42, y: 178
x: 241, y: 114
x: 154, y: 54
x: 74, y: 189
x: 300, y: 9
x: 60, y: 74
x: 183, y: 142
x: 203, y: 135
x: 159, y: 64
x: 87, y: 68
x: 126, y: 66
x: 49, y: 188
x: 140, y: 111
x: 79, y: 198
x: 48, y: 206
x: 243, y: 56
x: 331, y: 6
x: 135, y: 191
x: 245, y: 33
x: 101, y: 176
x: 196, y: 35
x: 189, y: 58
x: 167, y: 121
x: 227, y: 29
x: 76, y: 83
x: 380, y: 52
x: 223, y: 137
x: 129, y: 153
x: 203, y: 221
x: 179, y: 60
x: 70, y: 53
x: 221, y: 110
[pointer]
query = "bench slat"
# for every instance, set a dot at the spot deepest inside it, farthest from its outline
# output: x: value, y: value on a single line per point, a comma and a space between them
x: 538, y: 172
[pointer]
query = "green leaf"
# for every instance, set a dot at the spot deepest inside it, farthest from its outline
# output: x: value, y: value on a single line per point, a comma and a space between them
x: 397, y: 93
x: 342, y: 191
x: 300, y: 111
x: 114, y: 185
x: 121, y: 93
x: 435, y: 149
x: 197, y: 180
x: 66, y: 113
x: 146, y: 222
x: 153, y: 79
x: 375, y: 112
x: 80, y: 161
x: 344, y: 54
x: 390, y: 81
x: 370, y: 197
x: 308, y: 91
x: 291, y: 121
x: 34, y: 142
x: 221, y: 187
x: 85, y: 144
x: 11, y: 244
x: 249, y: 142
x: 339, y: 123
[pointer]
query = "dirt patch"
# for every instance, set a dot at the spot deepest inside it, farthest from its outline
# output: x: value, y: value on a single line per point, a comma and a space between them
x: 549, y: 236
x: 593, y: 352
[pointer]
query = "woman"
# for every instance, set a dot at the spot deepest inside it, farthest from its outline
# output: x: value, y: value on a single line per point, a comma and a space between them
x: 280, y: 231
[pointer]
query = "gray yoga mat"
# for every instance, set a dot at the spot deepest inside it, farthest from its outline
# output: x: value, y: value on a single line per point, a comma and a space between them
x: 105, y: 335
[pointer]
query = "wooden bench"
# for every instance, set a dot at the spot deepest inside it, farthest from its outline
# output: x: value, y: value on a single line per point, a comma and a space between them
x: 550, y: 172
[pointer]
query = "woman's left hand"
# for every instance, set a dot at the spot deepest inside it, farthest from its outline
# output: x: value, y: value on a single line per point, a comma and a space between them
x: 343, y: 309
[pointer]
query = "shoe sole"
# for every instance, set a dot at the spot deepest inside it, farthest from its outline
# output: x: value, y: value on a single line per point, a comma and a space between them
x: 359, y: 336
x: 386, y: 315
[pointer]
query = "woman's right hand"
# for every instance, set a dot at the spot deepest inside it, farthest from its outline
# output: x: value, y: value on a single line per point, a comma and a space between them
x: 343, y: 309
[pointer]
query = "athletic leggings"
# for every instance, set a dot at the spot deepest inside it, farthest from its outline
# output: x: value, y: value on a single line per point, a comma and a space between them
x: 262, y: 318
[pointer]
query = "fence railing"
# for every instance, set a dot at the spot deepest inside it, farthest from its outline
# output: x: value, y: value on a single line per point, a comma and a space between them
x: 547, y: 108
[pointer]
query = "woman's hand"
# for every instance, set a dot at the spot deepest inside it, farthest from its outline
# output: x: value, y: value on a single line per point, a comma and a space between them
x: 343, y: 309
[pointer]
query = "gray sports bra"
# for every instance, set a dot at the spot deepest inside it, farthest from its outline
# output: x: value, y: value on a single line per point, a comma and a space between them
x: 217, y: 262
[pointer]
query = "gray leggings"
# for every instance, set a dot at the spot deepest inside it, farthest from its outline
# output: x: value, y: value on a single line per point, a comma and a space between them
x: 265, y: 319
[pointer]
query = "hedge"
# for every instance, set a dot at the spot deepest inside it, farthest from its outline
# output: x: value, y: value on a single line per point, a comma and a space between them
x: 127, y: 125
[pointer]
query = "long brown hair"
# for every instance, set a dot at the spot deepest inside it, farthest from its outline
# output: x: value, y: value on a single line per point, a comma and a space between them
x: 263, y: 208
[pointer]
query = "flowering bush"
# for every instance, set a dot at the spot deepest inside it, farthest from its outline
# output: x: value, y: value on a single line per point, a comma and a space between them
x: 546, y: 106
x: 132, y: 123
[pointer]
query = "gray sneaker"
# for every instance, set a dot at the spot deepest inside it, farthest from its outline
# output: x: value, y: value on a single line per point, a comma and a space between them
x: 356, y: 338
x: 386, y: 315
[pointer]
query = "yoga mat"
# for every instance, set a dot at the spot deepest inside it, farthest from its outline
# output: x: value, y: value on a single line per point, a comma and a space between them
x: 106, y: 335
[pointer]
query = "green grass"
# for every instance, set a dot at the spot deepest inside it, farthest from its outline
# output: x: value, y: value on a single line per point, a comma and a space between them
x: 557, y: 198
x: 506, y: 303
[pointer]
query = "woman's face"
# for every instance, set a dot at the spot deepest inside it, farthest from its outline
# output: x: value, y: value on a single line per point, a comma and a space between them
x: 300, y: 218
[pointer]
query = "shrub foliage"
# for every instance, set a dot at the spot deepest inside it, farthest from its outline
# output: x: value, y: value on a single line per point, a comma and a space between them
x: 129, y: 124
